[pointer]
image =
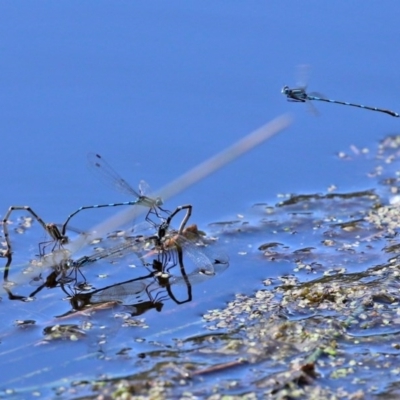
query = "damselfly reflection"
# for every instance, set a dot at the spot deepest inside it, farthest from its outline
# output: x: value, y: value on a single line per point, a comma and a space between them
x: 136, y: 294
x: 35, y: 277
x: 149, y: 291
x: 106, y: 173
x: 60, y: 276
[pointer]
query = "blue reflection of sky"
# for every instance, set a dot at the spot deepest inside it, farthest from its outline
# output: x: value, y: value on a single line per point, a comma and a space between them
x: 156, y: 87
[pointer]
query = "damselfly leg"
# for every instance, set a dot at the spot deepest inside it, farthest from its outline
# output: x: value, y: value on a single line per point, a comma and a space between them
x: 165, y: 225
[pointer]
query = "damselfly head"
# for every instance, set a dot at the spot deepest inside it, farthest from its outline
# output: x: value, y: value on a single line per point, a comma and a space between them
x: 54, y: 232
x: 159, y: 201
x: 285, y: 90
x: 203, y: 271
x: 65, y: 264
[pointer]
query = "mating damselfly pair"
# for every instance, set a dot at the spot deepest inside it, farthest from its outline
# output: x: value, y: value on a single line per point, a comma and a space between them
x: 99, y: 165
x: 159, y: 241
x: 169, y: 273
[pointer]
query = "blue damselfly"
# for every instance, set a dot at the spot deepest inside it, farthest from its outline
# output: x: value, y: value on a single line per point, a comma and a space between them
x: 299, y: 94
x: 105, y: 172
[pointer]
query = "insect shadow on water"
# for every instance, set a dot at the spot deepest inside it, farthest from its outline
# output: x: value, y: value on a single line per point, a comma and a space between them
x: 60, y: 275
x: 131, y: 293
x: 299, y: 94
x: 128, y: 293
x: 139, y: 294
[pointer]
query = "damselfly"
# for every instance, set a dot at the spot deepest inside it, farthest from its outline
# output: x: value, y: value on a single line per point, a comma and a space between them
x: 171, y: 246
x: 299, y: 94
x: 104, y: 171
x: 166, y: 249
x: 58, y: 238
x: 135, y: 244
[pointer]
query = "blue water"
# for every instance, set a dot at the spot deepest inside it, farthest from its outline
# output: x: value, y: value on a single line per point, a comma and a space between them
x: 157, y: 87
